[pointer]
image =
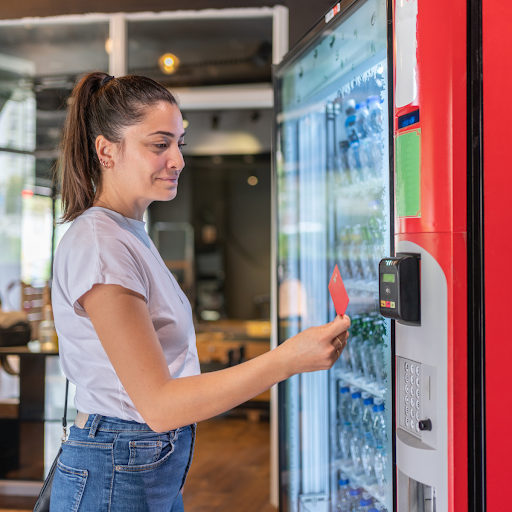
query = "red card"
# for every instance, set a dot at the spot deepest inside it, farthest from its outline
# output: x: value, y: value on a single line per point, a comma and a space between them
x: 338, y: 293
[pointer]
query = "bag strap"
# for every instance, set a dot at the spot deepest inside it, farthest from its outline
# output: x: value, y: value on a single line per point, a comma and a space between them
x: 64, y: 419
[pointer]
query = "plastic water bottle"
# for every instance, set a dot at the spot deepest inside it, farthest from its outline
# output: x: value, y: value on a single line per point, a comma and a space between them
x: 344, y: 402
x: 353, y: 153
x: 367, y: 350
x: 362, y: 121
x: 354, y: 347
x: 379, y: 434
x: 355, y: 498
x: 356, y: 448
x: 375, y: 125
x: 365, y: 503
x: 374, y: 114
x: 344, y: 439
x: 367, y: 413
x: 378, y: 356
x: 356, y: 410
x: 343, y: 499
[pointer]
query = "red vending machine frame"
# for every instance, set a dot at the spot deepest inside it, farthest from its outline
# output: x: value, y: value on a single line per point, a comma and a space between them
x: 497, y: 189
x: 440, y: 225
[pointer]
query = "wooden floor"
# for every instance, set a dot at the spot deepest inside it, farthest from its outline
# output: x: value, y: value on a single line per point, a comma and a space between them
x: 230, y: 472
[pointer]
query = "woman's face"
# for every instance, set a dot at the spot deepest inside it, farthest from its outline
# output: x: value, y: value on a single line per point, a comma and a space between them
x: 148, y: 163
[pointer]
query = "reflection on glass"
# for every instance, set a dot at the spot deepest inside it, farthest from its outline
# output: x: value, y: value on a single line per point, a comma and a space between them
x: 333, y: 208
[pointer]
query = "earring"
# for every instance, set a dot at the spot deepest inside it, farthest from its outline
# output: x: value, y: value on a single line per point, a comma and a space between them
x: 103, y: 163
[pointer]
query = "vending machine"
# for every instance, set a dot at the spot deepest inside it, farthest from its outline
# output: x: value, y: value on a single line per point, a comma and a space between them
x: 370, y: 175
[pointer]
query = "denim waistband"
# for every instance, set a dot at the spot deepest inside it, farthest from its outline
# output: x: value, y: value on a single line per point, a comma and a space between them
x: 97, y: 422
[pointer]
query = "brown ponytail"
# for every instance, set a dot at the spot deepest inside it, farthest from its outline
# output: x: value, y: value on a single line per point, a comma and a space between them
x: 99, y: 105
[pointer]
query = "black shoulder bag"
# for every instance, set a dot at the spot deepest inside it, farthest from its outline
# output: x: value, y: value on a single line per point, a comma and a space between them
x: 43, y: 502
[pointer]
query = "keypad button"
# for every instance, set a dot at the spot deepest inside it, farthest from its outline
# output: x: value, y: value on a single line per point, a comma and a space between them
x: 417, y: 404
x: 412, y: 413
x: 406, y: 377
x: 407, y: 422
x: 406, y: 408
x: 406, y: 388
x: 412, y: 425
x: 412, y: 403
x: 412, y: 390
x: 418, y: 381
x: 417, y: 370
x: 412, y: 368
x: 417, y: 392
x: 418, y: 415
x: 417, y: 427
x: 406, y: 399
x: 406, y: 366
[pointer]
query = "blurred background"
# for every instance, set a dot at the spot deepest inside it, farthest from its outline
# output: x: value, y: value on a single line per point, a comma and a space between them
x: 217, y: 57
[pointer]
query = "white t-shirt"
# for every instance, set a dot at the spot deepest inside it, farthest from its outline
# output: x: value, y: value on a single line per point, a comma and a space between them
x: 102, y: 246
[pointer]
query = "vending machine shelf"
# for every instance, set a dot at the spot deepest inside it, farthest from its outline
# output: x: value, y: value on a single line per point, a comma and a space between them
x: 376, y: 492
x: 361, y: 383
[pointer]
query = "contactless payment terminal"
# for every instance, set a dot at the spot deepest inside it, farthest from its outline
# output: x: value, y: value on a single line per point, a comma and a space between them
x: 399, y: 288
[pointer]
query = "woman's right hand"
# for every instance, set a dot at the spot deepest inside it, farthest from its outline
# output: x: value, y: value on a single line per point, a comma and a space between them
x: 316, y: 348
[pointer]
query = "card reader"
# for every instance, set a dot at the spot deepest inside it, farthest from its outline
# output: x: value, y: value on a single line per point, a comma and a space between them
x: 399, y: 288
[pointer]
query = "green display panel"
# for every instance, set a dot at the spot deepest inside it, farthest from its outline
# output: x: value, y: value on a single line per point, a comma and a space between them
x: 408, y: 174
x: 388, y: 278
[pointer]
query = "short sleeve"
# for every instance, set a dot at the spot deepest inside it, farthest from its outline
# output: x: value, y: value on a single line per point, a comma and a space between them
x: 102, y: 259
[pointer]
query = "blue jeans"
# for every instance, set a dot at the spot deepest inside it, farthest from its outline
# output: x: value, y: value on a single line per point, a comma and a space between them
x: 114, y: 465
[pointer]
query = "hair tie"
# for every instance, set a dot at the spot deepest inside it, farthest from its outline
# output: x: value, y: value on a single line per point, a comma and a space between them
x: 106, y: 80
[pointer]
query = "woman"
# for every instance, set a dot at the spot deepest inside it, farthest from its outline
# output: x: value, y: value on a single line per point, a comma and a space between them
x: 125, y: 328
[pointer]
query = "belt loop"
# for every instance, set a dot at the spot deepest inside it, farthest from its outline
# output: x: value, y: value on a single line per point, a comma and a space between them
x: 94, y: 426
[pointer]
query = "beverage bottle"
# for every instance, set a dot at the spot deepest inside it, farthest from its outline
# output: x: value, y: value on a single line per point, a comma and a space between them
x: 47, y: 333
x: 365, y: 503
x: 345, y: 241
x: 356, y: 442
x: 343, y: 499
x: 343, y: 165
x: 374, y: 114
x: 367, y: 413
x: 377, y: 242
x: 366, y: 350
x: 355, y: 498
x: 375, y: 125
x: 380, y: 436
x: 369, y: 270
x: 378, y: 355
x: 354, y: 346
x: 353, y: 154
x: 356, y: 411
x: 362, y: 121
x: 365, y: 143
x: 355, y: 255
x: 344, y: 402
x: 344, y: 439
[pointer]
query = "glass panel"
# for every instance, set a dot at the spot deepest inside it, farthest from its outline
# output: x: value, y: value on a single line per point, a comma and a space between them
x: 201, y: 52
x: 333, y: 209
x: 36, y: 247
x: 16, y: 177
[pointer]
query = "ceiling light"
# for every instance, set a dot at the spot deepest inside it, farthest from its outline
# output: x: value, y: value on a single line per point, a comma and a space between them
x: 185, y: 123
x: 252, y: 180
x: 168, y: 63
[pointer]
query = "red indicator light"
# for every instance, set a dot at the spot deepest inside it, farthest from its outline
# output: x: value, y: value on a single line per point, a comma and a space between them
x: 27, y: 193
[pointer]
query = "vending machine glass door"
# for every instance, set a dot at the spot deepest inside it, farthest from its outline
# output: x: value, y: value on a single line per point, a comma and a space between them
x: 332, y: 190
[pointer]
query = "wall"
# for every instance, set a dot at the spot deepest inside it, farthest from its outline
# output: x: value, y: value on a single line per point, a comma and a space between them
x: 303, y: 13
